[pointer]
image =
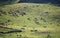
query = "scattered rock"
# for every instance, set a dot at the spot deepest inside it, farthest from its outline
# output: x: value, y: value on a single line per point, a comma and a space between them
x: 28, y: 19
x: 43, y: 19
x: 33, y: 30
x: 35, y: 19
x: 37, y: 23
x: 46, y: 12
x: 17, y: 35
x: 2, y: 12
x: 45, y: 26
x: 25, y: 7
x: 17, y: 11
x: 14, y: 14
x: 23, y: 28
x: 22, y: 13
x: 9, y: 20
x: 10, y: 12
x: 37, y: 5
x: 2, y: 24
x: 20, y: 35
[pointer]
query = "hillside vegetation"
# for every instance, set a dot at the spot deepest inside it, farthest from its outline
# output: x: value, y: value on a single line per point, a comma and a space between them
x: 30, y: 20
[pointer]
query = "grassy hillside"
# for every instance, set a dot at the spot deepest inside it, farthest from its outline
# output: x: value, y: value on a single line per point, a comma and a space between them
x: 33, y: 21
